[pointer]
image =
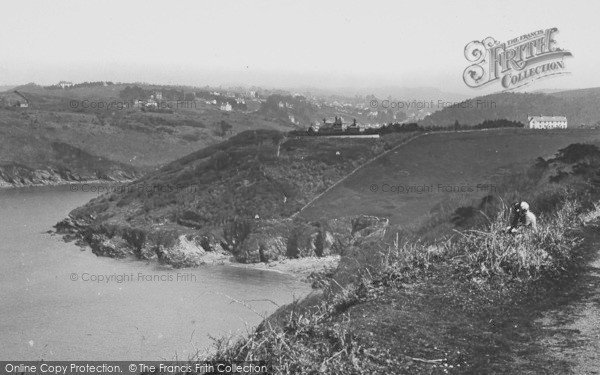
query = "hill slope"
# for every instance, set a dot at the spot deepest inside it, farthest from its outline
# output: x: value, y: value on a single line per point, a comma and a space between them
x: 61, y: 163
x: 100, y: 122
x: 481, y: 301
x: 580, y: 107
x: 238, y: 196
x: 235, y: 196
x: 439, y: 172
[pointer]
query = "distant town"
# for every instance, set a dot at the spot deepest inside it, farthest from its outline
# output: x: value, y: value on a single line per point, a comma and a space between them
x: 316, y: 114
x: 297, y: 108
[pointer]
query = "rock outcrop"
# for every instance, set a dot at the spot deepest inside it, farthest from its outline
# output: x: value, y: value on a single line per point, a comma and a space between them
x: 16, y: 175
x: 275, y: 239
x: 268, y: 240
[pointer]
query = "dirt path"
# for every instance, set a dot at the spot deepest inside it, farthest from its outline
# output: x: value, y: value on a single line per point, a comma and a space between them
x: 313, y: 207
x: 357, y: 169
x: 555, y: 328
x: 446, y: 326
x: 570, y: 331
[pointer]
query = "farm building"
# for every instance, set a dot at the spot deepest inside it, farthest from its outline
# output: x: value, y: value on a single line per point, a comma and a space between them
x: 14, y: 99
x: 65, y: 84
x: 546, y: 122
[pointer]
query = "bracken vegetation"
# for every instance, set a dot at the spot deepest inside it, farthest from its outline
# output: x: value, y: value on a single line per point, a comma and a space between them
x: 327, y: 334
x: 224, y: 192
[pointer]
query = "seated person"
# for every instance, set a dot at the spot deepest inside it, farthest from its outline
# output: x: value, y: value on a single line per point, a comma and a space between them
x: 521, y: 217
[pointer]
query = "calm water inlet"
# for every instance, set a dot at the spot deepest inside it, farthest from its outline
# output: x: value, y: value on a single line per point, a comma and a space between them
x: 60, y: 303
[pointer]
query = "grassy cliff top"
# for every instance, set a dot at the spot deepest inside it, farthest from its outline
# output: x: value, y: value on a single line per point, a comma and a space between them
x: 254, y: 173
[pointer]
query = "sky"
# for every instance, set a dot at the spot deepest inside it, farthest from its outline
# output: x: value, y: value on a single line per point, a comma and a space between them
x: 281, y: 43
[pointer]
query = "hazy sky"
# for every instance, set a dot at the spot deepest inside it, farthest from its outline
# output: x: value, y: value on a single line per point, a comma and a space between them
x: 281, y: 43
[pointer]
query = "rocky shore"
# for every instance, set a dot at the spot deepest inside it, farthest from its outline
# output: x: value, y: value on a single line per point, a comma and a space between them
x: 15, y: 175
x: 290, y: 246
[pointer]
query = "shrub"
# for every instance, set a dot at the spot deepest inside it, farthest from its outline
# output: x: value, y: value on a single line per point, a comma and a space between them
x: 525, y: 255
x: 576, y: 152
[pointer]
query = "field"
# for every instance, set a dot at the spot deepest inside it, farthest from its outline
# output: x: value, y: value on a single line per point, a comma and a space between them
x: 121, y: 134
x: 410, y: 183
x: 579, y: 106
x: 470, y: 303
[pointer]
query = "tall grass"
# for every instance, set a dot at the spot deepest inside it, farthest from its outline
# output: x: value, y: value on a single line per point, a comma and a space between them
x: 300, y: 339
x: 527, y: 254
x: 320, y: 337
x: 315, y: 338
x: 491, y: 252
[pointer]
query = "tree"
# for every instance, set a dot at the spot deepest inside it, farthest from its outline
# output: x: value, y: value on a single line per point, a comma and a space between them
x: 225, y: 127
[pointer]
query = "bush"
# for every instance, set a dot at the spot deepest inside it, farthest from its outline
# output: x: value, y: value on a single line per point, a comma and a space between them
x: 314, y: 337
x: 525, y: 255
x: 576, y: 152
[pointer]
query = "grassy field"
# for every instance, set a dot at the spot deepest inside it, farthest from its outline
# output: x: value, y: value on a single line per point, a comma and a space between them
x: 466, y: 304
x: 125, y: 135
x: 436, y: 167
x: 256, y: 172
x: 579, y: 106
x: 225, y: 196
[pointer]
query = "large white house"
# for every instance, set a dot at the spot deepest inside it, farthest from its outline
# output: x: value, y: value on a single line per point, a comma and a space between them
x: 226, y: 107
x: 546, y: 122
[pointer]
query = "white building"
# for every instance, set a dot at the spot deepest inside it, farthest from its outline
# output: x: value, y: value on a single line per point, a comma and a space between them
x: 226, y: 107
x: 14, y: 99
x: 65, y: 84
x: 546, y: 122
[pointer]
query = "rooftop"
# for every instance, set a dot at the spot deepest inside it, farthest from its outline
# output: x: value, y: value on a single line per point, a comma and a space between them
x: 548, y: 118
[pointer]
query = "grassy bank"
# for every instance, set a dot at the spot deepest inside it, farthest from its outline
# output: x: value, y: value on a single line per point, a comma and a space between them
x: 235, y: 197
x: 422, y: 180
x: 438, y: 306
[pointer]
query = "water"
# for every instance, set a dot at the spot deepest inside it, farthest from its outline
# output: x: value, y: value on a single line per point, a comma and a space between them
x: 44, y: 314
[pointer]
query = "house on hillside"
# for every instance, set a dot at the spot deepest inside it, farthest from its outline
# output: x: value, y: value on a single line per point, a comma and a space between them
x: 336, y: 124
x: 373, y: 114
x: 546, y: 122
x: 354, y: 126
x: 15, y: 99
x: 314, y: 128
x: 226, y: 107
x: 65, y: 84
x: 151, y: 103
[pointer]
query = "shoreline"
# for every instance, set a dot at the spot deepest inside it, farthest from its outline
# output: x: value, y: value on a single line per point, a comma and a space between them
x: 300, y: 267
x: 65, y: 183
x: 304, y: 268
